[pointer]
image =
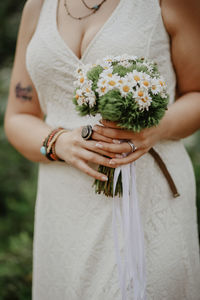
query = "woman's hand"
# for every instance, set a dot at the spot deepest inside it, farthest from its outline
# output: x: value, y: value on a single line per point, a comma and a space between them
x: 76, y: 151
x: 143, y: 140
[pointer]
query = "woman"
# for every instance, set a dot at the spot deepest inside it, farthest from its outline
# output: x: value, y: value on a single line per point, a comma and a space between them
x: 73, y: 246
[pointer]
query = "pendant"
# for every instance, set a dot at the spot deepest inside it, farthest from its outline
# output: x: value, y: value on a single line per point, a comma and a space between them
x: 96, y: 7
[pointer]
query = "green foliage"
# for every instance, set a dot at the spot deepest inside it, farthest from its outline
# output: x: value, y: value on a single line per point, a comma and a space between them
x: 9, y: 21
x: 111, y: 106
x: 193, y: 147
x: 17, y: 197
x: 93, y: 75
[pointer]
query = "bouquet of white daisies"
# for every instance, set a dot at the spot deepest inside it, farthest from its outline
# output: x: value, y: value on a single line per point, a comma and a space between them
x: 123, y: 89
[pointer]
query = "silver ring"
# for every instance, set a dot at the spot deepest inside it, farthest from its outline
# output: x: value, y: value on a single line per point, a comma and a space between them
x: 86, y: 132
x: 133, y: 147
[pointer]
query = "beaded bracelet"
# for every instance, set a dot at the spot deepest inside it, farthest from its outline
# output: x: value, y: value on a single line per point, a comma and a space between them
x: 48, y: 146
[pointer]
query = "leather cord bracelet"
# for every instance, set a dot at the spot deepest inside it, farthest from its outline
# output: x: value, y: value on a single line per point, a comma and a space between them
x: 165, y: 171
x: 48, y: 146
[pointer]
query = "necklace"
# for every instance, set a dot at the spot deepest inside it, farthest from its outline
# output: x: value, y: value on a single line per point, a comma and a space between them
x: 94, y: 9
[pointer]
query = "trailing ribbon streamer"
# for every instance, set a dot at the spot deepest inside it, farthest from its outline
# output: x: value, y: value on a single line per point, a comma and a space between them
x: 132, y: 276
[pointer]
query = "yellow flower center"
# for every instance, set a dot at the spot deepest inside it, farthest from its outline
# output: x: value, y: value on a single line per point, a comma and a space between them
x: 153, y: 87
x: 81, y: 79
x: 77, y: 96
x: 110, y: 74
x: 146, y: 83
x: 103, y: 89
x: 87, y: 90
x: 140, y: 93
x: 103, y: 82
x: 136, y: 77
x: 126, y: 88
x: 112, y: 82
x: 120, y: 81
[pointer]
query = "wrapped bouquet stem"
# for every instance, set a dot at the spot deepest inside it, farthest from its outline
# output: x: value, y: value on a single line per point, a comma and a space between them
x: 131, y: 92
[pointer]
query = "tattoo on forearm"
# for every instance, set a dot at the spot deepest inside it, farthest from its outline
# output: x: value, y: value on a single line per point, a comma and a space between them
x: 23, y: 93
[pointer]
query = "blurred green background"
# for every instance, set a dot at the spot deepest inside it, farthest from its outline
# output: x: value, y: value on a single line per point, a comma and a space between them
x: 18, y: 178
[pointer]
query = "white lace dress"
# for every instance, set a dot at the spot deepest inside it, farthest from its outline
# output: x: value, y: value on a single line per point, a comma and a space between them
x: 74, y: 256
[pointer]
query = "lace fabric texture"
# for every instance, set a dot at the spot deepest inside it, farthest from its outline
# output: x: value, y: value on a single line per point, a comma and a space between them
x: 73, y: 244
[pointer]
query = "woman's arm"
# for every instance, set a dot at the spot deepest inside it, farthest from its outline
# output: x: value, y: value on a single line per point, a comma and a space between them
x: 182, y: 21
x: 24, y: 125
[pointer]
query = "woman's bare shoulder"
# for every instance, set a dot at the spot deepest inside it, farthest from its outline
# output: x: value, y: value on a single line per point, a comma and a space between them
x: 178, y: 14
x: 30, y: 15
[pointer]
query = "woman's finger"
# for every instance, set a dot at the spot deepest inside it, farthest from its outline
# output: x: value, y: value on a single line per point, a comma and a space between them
x: 98, y: 137
x: 112, y: 133
x: 114, y: 148
x: 97, y: 147
x: 128, y: 159
x: 82, y: 165
x: 109, y: 124
x: 94, y: 157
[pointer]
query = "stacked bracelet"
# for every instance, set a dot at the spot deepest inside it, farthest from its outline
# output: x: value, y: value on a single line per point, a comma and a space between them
x: 48, y: 146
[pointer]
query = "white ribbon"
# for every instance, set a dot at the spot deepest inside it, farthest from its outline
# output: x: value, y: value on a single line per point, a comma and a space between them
x: 132, y: 276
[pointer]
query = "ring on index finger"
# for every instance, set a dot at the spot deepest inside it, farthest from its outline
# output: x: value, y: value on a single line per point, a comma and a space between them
x: 86, y: 132
x: 133, y: 147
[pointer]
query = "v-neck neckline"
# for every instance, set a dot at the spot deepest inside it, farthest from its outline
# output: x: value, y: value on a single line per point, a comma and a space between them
x: 98, y: 33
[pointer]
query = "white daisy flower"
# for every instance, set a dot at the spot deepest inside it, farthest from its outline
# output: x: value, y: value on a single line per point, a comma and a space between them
x: 78, y: 94
x: 128, y: 78
x: 164, y: 95
x: 91, y: 100
x: 162, y: 83
x: 125, y: 64
x: 137, y: 77
x: 158, y: 85
x: 107, y: 73
x: 108, y: 59
x: 155, y: 86
x: 87, y: 88
x: 125, y: 88
x: 113, y: 81
x: 81, y: 100
x: 142, y: 98
x: 144, y: 103
x: 102, y: 86
x: 146, y: 81
x: 78, y: 70
x: 134, y: 58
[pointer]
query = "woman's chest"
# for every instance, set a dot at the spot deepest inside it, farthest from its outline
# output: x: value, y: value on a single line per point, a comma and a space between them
x: 78, y: 23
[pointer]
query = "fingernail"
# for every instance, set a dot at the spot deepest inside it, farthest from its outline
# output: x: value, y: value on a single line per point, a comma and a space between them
x: 99, y: 145
x: 104, y: 178
x: 119, y: 156
x: 116, y: 142
x: 112, y: 162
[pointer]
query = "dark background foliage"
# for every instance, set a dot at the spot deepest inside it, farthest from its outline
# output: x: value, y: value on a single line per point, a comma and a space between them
x: 18, y: 178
